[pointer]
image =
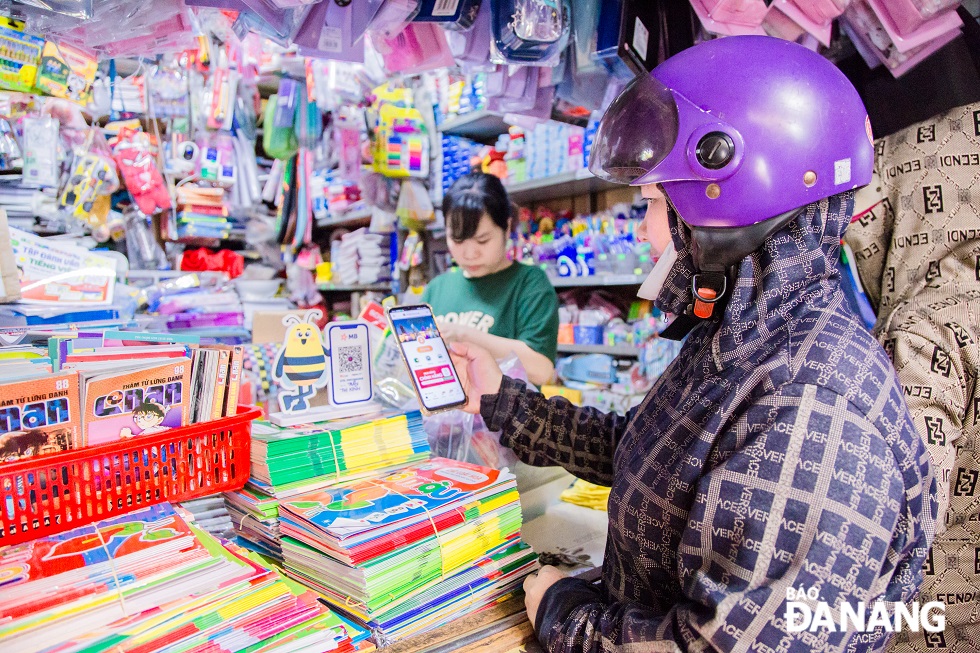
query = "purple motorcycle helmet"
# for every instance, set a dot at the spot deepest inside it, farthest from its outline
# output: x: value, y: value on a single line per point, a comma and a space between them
x: 741, y: 132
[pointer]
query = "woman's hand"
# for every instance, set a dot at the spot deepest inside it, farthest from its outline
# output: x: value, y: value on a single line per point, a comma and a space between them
x: 478, y: 372
x: 536, y: 585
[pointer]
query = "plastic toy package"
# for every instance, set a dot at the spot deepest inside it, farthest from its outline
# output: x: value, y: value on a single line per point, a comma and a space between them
x: 92, y: 177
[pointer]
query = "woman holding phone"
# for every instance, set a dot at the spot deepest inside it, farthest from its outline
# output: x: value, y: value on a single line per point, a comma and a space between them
x: 775, y: 454
x: 504, y: 307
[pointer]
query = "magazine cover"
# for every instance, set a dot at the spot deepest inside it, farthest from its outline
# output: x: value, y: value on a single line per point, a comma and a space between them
x: 413, y: 491
x: 39, y: 416
x: 142, y: 402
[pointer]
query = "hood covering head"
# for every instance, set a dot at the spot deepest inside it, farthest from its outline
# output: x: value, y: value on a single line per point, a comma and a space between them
x: 797, y: 263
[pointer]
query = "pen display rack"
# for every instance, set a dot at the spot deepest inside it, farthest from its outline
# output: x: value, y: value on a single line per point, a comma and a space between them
x: 51, y: 494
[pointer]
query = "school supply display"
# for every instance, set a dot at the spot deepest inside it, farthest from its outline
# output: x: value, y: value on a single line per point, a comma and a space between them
x: 293, y: 460
x: 255, y: 519
x: 410, y: 550
x: 151, y: 580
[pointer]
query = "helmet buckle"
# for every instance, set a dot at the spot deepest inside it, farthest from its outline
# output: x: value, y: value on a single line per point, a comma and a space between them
x: 707, y: 292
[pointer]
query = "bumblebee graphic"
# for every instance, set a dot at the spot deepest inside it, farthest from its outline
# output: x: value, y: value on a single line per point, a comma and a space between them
x: 301, y: 366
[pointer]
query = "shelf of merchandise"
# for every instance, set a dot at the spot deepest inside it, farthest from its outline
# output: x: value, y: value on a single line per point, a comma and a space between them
x: 479, y: 125
x: 374, y: 287
x: 599, y: 280
x: 567, y: 184
x: 631, y: 351
x: 359, y: 216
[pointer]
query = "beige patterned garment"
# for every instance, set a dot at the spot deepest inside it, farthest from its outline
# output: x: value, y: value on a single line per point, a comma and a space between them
x: 918, y: 253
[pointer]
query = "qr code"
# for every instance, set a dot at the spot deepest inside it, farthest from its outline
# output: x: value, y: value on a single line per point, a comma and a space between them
x: 351, y: 359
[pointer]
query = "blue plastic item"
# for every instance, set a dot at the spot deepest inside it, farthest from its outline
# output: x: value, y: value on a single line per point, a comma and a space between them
x: 588, y: 368
x: 451, y: 14
x: 530, y: 31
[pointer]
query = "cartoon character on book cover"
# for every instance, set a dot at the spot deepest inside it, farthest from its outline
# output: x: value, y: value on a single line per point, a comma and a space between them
x: 39, y: 416
x: 144, y: 402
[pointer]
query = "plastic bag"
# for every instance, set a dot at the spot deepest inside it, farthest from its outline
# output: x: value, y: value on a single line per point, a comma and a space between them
x: 415, y: 208
x: 462, y: 436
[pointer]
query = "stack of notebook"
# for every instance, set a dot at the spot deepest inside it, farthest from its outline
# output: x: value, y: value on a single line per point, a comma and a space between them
x: 287, y: 461
x: 255, y: 518
x: 412, y: 550
x: 149, y: 580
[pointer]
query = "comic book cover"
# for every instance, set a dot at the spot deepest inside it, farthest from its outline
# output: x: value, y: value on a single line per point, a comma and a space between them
x: 416, y: 492
x: 138, y: 402
x: 38, y: 416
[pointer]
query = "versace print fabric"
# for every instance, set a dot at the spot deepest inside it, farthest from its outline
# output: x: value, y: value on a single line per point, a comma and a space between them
x: 775, y: 452
x: 918, y: 254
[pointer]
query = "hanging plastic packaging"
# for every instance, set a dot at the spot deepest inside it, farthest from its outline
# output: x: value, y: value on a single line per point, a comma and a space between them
x: 279, y: 134
x: 907, y: 16
x: 415, y: 209
x: 74, y: 8
x: 472, y: 47
x: 40, y: 149
x: 401, y: 144
x: 392, y: 18
x: 10, y: 156
x: 530, y: 31
x: 417, y: 48
x: 331, y: 31
x: 135, y: 154
x: 739, y: 12
x: 451, y: 14
x: 92, y: 176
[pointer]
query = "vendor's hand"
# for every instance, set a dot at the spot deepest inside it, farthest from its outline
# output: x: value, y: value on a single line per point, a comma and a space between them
x: 478, y: 372
x: 453, y: 332
x: 536, y: 585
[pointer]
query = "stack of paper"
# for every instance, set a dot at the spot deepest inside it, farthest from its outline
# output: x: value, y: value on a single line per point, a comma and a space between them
x: 149, y: 581
x: 255, y: 518
x: 412, y: 550
x: 292, y: 460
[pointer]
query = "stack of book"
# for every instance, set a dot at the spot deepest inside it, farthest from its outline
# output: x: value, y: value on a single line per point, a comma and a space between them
x: 150, y: 580
x: 255, y: 518
x: 202, y: 213
x: 410, y: 551
x: 286, y: 461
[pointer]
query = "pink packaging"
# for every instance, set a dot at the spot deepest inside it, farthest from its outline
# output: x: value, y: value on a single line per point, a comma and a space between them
x: 865, y: 28
x: 904, y: 17
x: 419, y: 47
x: 739, y: 12
x: 786, y: 19
x: 820, y: 12
x: 927, y: 30
x: 720, y: 27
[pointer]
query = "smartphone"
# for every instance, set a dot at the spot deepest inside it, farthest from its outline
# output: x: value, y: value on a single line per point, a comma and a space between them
x: 433, y: 376
x: 350, y: 363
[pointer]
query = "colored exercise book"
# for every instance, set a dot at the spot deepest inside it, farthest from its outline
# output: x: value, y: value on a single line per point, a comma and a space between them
x: 371, y: 508
x: 287, y: 461
x: 150, y: 580
x: 39, y: 412
x: 136, y: 401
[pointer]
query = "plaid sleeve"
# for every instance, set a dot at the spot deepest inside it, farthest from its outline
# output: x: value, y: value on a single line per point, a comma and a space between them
x: 554, y: 431
x: 802, y: 492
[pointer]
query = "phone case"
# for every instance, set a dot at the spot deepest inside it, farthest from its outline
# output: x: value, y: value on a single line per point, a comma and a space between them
x: 422, y: 408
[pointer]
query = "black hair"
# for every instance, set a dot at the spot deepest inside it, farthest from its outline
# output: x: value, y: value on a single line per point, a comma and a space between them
x: 151, y: 407
x: 469, y: 198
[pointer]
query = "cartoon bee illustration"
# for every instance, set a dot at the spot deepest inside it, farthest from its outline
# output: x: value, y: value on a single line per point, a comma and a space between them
x: 302, y: 363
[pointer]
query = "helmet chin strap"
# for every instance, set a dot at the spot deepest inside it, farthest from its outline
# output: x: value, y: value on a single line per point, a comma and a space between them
x: 717, y: 253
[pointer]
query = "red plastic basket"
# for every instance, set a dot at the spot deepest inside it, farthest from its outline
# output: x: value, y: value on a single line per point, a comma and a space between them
x: 51, y: 494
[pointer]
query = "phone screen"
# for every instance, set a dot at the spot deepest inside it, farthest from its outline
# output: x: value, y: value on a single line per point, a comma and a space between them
x: 350, y: 365
x: 428, y: 359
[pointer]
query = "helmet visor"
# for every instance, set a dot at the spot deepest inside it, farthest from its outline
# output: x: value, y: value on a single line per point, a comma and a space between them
x: 636, y: 133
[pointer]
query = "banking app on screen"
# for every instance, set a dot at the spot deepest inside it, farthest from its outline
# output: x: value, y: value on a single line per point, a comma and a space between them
x: 428, y: 360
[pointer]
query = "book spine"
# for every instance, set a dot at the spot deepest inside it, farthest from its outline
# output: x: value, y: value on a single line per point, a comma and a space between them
x: 234, y: 380
x: 220, y: 387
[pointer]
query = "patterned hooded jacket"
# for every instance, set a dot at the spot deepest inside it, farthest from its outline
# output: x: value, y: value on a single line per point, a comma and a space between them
x: 918, y: 253
x: 775, y: 452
